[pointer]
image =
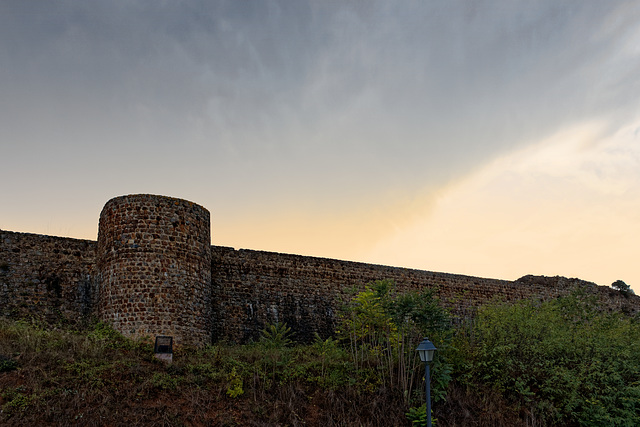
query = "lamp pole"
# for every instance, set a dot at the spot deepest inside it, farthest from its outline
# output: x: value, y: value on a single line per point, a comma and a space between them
x: 427, y: 380
x: 427, y: 350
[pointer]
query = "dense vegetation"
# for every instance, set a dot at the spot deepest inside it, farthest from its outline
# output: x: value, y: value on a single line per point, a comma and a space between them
x: 560, y: 362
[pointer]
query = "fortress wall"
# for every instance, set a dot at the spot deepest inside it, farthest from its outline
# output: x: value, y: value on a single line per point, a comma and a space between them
x: 254, y: 288
x: 47, y: 278
x: 55, y: 278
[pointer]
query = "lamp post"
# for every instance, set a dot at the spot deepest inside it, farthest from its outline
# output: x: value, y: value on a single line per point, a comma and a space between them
x: 427, y: 350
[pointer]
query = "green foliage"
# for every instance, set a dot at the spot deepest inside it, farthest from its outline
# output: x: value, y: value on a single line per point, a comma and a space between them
x: 329, y: 352
x: 234, y: 388
x: 367, y: 326
x: 564, y: 359
x: 418, y: 416
x: 560, y: 362
x: 328, y: 348
x: 276, y: 336
x: 17, y: 400
x: 622, y: 287
x: 164, y: 381
x: 382, y: 328
x: 104, y: 335
x: 69, y: 375
x: 7, y: 364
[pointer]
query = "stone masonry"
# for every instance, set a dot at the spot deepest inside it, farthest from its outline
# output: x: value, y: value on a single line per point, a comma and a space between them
x: 154, y: 262
x: 154, y: 272
x: 45, y: 277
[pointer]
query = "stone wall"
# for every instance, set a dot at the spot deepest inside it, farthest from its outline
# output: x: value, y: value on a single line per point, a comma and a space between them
x: 154, y: 261
x: 254, y: 288
x: 47, y: 278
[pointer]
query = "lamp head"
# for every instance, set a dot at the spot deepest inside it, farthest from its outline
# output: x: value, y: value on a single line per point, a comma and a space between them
x: 426, y: 350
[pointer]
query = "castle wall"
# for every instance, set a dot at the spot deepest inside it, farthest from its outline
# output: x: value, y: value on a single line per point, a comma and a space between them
x: 47, y: 278
x: 154, y: 262
x: 154, y: 272
x: 255, y: 288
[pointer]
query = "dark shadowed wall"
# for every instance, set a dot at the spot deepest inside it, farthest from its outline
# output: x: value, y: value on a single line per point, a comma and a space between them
x: 49, y: 278
x: 254, y: 288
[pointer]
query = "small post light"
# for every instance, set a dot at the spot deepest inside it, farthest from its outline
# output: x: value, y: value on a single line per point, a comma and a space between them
x: 427, y: 350
x: 163, y: 348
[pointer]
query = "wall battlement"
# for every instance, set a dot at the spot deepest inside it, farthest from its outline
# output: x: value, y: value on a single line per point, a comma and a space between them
x: 154, y: 272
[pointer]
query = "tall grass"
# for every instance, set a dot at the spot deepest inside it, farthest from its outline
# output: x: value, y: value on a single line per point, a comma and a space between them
x: 98, y: 377
x: 561, y: 362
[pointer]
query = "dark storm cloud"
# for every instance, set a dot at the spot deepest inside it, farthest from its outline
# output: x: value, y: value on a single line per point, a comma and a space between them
x: 373, y: 92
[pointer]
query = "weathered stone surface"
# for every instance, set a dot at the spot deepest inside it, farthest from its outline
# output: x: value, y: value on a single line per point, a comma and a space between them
x: 254, y: 288
x: 153, y: 272
x: 154, y: 261
x: 47, y: 278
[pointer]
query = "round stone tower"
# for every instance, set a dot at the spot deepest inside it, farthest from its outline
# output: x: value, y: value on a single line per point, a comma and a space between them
x: 154, y: 260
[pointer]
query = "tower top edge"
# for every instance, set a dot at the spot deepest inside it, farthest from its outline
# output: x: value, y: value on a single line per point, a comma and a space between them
x: 152, y: 198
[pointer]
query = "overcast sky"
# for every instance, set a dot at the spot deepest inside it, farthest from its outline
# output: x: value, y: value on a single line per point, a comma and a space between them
x: 489, y: 138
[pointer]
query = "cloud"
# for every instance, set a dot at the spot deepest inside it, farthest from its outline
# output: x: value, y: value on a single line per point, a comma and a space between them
x: 237, y: 77
x: 339, y: 122
x: 565, y: 206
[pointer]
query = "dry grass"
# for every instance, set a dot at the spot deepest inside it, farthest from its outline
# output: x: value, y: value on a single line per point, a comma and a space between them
x: 96, y: 377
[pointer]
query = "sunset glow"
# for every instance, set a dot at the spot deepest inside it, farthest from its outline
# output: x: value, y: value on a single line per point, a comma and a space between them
x: 492, y: 139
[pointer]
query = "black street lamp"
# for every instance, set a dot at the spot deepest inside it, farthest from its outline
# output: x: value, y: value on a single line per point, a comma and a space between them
x: 427, y: 350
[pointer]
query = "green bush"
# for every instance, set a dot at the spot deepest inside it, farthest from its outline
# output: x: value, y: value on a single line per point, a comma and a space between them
x: 622, y: 287
x: 7, y: 364
x: 276, y: 336
x: 381, y: 329
x: 234, y: 388
x: 564, y: 359
x: 418, y: 416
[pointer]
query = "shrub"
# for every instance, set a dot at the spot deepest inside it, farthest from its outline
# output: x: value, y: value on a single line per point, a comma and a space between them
x: 276, y: 336
x: 622, y: 287
x: 7, y: 364
x: 381, y: 329
x: 563, y: 359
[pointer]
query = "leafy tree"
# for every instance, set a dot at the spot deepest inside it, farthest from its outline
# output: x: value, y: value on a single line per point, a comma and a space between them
x: 622, y: 287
